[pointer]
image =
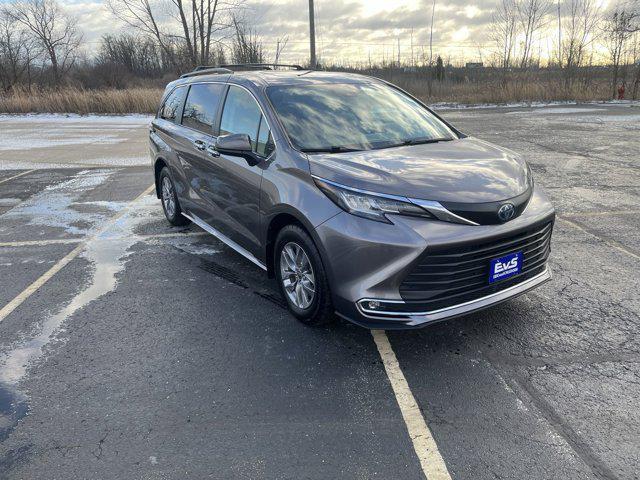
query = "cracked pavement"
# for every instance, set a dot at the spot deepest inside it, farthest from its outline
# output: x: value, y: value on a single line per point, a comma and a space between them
x: 159, y: 353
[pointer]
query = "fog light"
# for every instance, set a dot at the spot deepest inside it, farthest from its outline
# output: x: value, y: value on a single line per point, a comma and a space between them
x: 373, y: 305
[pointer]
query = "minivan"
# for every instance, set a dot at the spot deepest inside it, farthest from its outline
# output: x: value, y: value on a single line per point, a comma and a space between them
x: 353, y: 194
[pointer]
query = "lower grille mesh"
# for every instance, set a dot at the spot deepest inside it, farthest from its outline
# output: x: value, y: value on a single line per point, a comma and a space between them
x: 451, y: 276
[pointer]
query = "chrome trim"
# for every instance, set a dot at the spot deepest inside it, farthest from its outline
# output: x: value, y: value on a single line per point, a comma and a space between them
x: 364, y: 192
x: 224, y: 239
x: 440, y: 212
x: 418, y: 318
x: 434, y: 208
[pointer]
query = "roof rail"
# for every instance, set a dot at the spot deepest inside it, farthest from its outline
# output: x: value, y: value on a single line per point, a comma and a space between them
x: 261, y: 66
x: 206, y: 70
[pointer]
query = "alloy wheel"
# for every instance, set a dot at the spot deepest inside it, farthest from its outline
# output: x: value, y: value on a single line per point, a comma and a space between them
x: 297, y: 276
x: 168, y: 198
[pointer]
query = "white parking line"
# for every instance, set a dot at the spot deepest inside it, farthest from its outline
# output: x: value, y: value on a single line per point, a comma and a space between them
x: 63, y: 241
x: 425, y: 446
x: 18, y: 175
x: 44, y: 278
x: 41, y: 243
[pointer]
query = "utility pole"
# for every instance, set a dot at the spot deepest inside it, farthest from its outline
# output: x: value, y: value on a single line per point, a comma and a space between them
x: 559, y: 37
x: 312, y: 36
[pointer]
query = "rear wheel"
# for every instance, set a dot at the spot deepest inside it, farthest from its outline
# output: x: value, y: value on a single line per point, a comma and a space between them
x: 301, y: 277
x: 170, y: 203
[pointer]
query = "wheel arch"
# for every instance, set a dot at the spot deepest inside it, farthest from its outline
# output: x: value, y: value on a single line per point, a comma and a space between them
x: 158, y: 165
x: 281, y: 217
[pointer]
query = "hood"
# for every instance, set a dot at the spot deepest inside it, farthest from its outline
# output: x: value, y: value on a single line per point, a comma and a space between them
x: 466, y: 170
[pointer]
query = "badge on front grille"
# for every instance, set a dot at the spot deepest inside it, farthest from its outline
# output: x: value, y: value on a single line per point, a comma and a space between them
x: 505, y: 267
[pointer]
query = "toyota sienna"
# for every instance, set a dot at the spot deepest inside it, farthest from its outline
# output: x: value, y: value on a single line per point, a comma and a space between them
x: 352, y: 193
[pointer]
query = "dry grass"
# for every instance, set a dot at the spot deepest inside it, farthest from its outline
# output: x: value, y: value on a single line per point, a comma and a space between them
x: 492, y: 90
x: 145, y: 100
x: 74, y: 100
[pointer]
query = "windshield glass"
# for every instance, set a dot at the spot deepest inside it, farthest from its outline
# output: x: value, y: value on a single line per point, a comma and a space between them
x: 343, y: 117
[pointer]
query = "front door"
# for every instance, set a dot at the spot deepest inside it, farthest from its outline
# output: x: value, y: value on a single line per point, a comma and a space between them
x: 237, y: 188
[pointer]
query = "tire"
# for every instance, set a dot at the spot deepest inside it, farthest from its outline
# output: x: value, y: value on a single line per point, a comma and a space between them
x: 319, y: 309
x: 169, y: 200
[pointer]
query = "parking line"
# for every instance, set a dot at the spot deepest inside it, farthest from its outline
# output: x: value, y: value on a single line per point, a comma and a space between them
x: 611, y: 243
x: 63, y: 241
x: 18, y: 175
x: 40, y: 243
x: 44, y: 278
x: 424, y: 444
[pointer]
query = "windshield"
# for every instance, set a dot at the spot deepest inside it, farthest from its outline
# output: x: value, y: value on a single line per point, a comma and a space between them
x: 347, y: 117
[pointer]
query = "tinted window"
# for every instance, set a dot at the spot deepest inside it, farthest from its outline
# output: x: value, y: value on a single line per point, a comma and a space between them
x: 241, y: 114
x: 172, y: 104
x: 362, y: 116
x: 264, y: 144
x: 201, y: 106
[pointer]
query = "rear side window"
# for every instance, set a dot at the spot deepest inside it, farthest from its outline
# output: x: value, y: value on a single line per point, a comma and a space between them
x: 172, y: 104
x: 241, y: 114
x: 201, y: 106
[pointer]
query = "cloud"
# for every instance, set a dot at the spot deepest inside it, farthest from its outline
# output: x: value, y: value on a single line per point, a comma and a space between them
x: 346, y: 31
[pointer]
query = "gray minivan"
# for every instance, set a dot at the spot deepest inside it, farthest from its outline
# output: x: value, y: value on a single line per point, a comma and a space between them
x: 353, y: 194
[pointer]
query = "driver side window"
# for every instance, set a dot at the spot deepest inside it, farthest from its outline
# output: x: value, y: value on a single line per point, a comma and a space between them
x: 242, y: 114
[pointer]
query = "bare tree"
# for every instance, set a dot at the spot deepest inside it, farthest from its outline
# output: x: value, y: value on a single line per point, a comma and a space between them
x: 137, y: 55
x: 17, y: 53
x: 55, y: 31
x: 247, y: 46
x: 531, y: 16
x: 504, y: 31
x: 619, y: 27
x: 197, y: 25
x: 581, y: 20
x: 433, y: 12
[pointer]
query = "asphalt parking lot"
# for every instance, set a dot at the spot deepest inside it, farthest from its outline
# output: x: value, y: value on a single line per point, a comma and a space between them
x: 130, y: 349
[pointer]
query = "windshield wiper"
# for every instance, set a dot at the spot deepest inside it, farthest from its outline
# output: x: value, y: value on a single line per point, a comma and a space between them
x: 420, y: 141
x: 332, y: 149
x: 415, y: 141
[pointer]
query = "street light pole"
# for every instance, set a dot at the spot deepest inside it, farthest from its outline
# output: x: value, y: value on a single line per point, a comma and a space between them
x: 312, y: 36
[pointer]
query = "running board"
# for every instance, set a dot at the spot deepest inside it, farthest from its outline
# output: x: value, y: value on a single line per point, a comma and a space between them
x: 226, y: 240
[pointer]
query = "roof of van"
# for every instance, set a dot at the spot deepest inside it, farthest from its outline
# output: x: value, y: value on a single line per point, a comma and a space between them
x: 265, y: 78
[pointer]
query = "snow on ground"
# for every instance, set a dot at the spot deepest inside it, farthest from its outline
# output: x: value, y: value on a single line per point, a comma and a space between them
x: 73, y: 118
x: 547, y: 106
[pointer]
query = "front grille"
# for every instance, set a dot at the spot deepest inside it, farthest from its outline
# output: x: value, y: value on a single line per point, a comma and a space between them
x: 451, y: 276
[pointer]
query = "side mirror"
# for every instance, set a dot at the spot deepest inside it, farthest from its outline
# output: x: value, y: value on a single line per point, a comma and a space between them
x: 239, y: 145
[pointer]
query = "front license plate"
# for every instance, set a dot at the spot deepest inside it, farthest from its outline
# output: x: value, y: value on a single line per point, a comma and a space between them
x: 505, y: 267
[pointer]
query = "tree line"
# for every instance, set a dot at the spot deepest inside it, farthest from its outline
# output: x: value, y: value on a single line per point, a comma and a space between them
x: 573, y: 28
x: 41, y: 44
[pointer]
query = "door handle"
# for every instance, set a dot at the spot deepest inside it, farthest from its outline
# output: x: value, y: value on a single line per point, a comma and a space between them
x: 211, y: 150
x: 199, y: 144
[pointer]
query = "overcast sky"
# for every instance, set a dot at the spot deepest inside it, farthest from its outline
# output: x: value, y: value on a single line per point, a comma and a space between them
x: 352, y: 30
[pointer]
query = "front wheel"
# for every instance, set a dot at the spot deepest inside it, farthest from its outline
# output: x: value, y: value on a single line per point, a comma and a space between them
x: 301, y: 277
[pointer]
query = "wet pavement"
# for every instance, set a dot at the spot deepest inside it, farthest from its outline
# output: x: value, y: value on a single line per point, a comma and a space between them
x: 156, y: 352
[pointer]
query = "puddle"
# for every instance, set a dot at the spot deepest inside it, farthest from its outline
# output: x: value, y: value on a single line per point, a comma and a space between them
x: 54, y: 206
x: 13, y: 407
x: 107, y: 256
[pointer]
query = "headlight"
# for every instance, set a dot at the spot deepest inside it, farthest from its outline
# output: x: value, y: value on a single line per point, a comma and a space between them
x: 369, y: 205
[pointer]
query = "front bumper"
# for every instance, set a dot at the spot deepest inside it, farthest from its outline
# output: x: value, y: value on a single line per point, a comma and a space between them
x: 368, y: 261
